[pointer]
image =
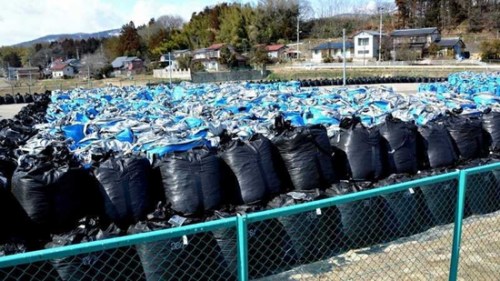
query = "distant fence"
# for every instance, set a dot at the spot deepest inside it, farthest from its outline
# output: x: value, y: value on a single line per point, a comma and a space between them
x: 405, y: 231
x: 239, y: 75
x: 183, y: 74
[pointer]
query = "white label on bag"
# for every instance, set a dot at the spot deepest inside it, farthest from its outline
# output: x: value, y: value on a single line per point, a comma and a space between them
x: 185, y: 240
x: 411, y: 190
x: 318, y: 211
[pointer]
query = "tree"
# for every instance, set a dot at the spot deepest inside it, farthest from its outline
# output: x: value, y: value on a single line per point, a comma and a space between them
x: 12, y: 59
x: 227, y: 57
x: 129, y: 40
x: 170, y: 22
x: 259, y: 57
x: 111, y: 47
x: 197, y: 67
x: 490, y: 49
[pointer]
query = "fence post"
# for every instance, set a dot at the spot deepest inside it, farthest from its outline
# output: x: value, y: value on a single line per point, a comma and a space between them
x: 241, y: 230
x: 457, y: 231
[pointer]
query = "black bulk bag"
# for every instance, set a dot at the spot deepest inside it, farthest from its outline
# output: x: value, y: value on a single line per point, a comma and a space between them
x: 491, y: 124
x: 409, y: 214
x: 27, y: 271
x: 314, y: 235
x: 436, y: 146
x: 270, y: 249
x: 483, y: 190
x: 191, y: 257
x: 191, y: 180
x: 399, y: 145
x: 114, y: 264
x: 307, y: 155
x: 124, y: 183
x: 440, y: 199
x: 252, y: 163
x: 9, y: 99
x: 467, y: 135
x: 15, y: 220
x: 357, y: 150
x: 19, y: 98
x: 54, y: 194
x: 364, y: 222
x: 28, y: 98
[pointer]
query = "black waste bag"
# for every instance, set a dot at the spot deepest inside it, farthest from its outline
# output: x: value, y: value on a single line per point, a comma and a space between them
x: 8, y: 165
x: 270, y: 249
x: 409, y: 214
x: 191, y: 180
x: 467, y: 134
x: 399, y: 145
x: 54, y: 191
x: 252, y: 164
x: 307, y: 155
x: 364, y: 222
x: 491, y: 124
x: 16, y: 222
x: 436, y: 146
x: 191, y: 257
x: 314, y: 235
x: 440, y: 198
x: 358, y: 150
x: 483, y: 189
x: 25, y: 272
x: 126, y: 189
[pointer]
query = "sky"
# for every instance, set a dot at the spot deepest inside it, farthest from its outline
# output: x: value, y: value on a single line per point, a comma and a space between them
x: 24, y: 20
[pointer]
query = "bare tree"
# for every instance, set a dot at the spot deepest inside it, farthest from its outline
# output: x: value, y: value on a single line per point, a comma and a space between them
x: 93, y: 63
x: 170, y: 22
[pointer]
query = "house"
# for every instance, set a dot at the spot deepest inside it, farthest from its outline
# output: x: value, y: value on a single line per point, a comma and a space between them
x: 127, y: 65
x: 61, y: 69
x: 451, y: 46
x: 366, y: 45
x: 18, y: 73
x: 210, y: 56
x: 417, y: 38
x: 332, y: 50
x: 276, y: 51
x: 172, y: 58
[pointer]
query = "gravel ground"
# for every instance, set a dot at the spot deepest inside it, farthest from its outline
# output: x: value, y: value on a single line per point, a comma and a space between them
x: 424, y: 256
x: 9, y: 110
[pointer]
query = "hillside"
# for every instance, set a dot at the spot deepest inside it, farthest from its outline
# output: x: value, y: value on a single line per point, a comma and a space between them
x: 74, y: 36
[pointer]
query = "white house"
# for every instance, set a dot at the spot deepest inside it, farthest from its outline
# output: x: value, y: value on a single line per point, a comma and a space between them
x: 276, y: 51
x: 209, y: 57
x: 366, y: 45
x: 61, y: 70
x: 332, y: 50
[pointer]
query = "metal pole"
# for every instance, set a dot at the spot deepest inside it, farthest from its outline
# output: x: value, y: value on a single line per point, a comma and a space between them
x: 241, y: 230
x: 380, y: 37
x: 29, y: 86
x: 170, y: 68
x: 344, y: 60
x: 457, y: 231
x: 10, y: 82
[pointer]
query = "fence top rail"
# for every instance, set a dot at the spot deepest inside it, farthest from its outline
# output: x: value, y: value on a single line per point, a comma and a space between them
x: 348, y: 198
x: 111, y: 243
x: 482, y: 169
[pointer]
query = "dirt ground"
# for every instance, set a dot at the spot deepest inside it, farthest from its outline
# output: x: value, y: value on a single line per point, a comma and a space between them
x: 424, y: 256
x: 9, y: 110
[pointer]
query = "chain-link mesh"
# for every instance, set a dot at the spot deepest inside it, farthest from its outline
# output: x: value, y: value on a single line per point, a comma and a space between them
x: 406, y: 235
x: 480, y: 244
x: 202, y: 256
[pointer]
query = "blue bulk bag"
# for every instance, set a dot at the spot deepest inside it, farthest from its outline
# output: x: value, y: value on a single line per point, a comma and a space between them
x: 126, y: 136
x: 74, y: 132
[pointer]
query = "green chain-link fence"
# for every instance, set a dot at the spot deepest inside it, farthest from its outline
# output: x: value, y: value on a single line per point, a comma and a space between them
x: 406, y: 231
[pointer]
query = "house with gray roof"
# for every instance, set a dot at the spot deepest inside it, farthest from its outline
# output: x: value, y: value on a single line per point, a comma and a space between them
x: 451, y: 46
x: 366, y: 44
x: 416, y: 38
x: 332, y: 50
x: 127, y: 65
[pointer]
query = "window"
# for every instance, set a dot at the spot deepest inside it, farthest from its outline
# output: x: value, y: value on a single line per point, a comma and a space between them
x: 363, y: 41
x: 363, y: 52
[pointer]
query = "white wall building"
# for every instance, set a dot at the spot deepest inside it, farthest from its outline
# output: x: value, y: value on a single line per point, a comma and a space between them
x: 63, y: 71
x: 366, y: 45
x: 333, y: 50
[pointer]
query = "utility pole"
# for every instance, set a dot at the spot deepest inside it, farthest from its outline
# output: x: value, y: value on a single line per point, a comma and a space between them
x: 298, y: 34
x: 8, y: 75
x: 88, y: 75
x: 29, y: 85
x: 344, y: 59
x: 380, y: 9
